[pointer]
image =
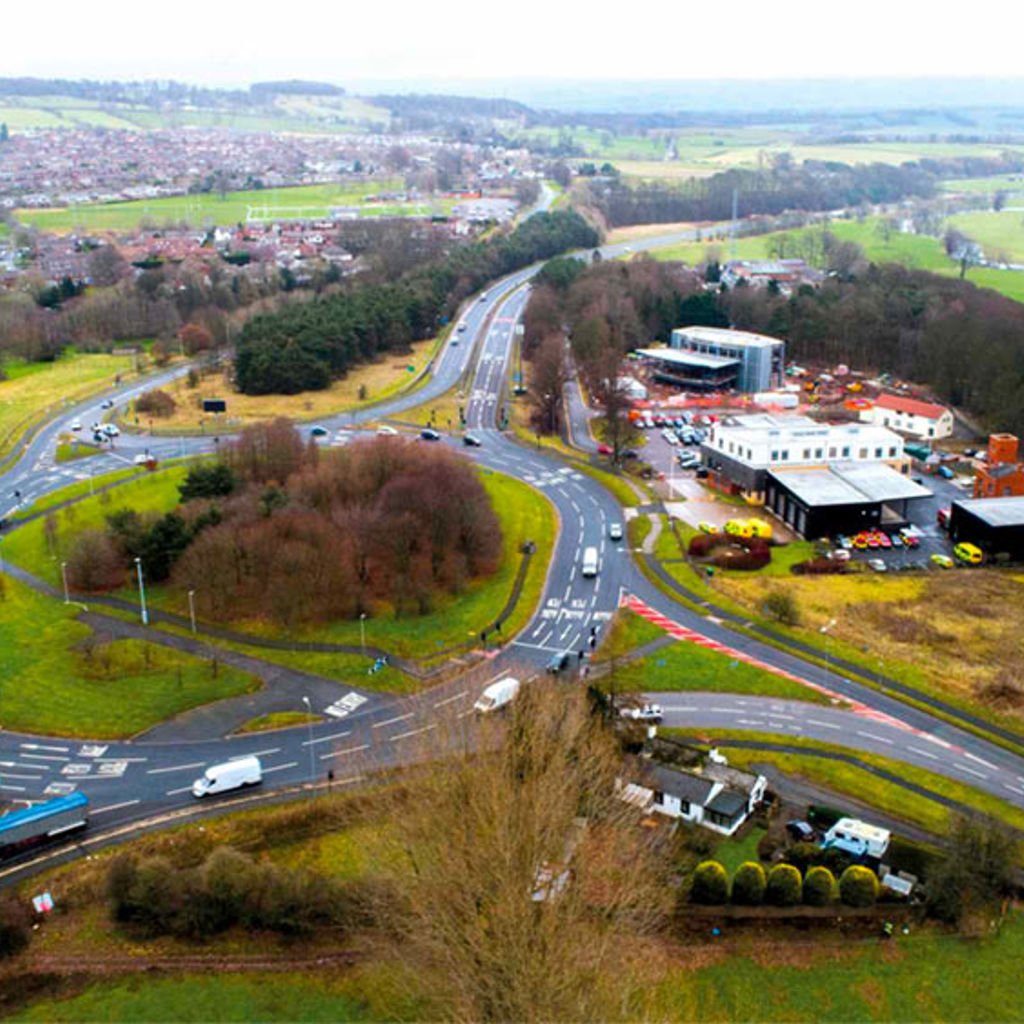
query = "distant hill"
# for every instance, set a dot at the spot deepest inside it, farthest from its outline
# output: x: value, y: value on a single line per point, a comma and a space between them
x: 293, y: 87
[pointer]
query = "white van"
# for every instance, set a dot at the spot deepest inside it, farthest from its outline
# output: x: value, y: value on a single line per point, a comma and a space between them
x: 590, y: 562
x: 221, y: 778
x: 497, y: 695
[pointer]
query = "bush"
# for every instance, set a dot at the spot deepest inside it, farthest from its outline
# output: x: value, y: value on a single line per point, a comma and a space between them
x: 710, y: 884
x: 95, y: 563
x: 781, y: 606
x: 803, y: 856
x: 15, y: 922
x: 858, y: 886
x: 749, y: 560
x: 748, y: 885
x: 703, y: 544
x: 819, y: 567
x: 784, y: 886
x: 819, y: 887
x: 211, y: 480
x: 155, y: 403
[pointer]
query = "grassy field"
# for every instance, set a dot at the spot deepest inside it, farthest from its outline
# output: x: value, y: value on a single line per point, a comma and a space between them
x: 1010, y: 183
x: 210, y: 208
x: 381, y: 379
x: 58, y: 680
x: 34, y: 390
x: 627, y: 632
x: 1001, y: 234
x: 278, y: 720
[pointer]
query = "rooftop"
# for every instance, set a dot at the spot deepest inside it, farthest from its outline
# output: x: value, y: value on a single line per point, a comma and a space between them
x: 725, y: 336
x: 995, y: 511
x: 681, y: 358
x: 913, y: 406
x: 848, y: 483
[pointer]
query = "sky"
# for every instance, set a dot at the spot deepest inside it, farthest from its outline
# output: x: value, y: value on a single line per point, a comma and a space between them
x: 227, y: 42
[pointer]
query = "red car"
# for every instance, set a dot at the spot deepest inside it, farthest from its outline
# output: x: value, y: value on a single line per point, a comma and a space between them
x: 883, y: 539
x: 911, y: 540
x: 604, y: 449
x: 873, y: 541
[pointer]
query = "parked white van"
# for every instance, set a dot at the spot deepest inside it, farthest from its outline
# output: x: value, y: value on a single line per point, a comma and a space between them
x: 221, y: 778
x: 590, y: 562
x: 497, y: 695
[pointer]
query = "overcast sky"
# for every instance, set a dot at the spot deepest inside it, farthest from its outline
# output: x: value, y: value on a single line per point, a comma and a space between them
x: 233, y: 43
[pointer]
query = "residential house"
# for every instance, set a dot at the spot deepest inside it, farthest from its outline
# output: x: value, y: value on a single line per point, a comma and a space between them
x: 926, y: 420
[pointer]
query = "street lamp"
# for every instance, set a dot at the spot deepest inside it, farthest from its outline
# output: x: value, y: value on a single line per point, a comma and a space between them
x: 192, y: 609
x: 362, y: 631
x: 312, y: 756
x: 142, y: 593
x: 64, y: 580
x: 825, y: 632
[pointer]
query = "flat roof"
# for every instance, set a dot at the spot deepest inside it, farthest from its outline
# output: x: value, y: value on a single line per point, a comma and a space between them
x: 681, y: 357
x: 848, y: 483
x: 995, y: 511
x: 725, y: 336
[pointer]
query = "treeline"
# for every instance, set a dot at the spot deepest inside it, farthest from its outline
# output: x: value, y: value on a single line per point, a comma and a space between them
x: 306, y: 346
x: 154, y: 93
x: 811, y: 186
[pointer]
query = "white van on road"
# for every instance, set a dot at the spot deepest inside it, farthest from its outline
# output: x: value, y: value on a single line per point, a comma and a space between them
x: 589, y: 562
x: 497, y: 695
x: 222, y: 778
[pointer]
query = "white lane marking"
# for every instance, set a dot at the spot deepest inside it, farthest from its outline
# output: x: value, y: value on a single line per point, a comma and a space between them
x: 965, y: 768
x: 449, y: 700
x: 33, y: 767
x: 175, y: 792
x: 391, y: 721
x: 924, y: 753
x: 749, y: 721
x: 280, y: 767
x: 341, y: 753
x: 256, y: 753
x: 327, y: 739
x: 39, y: 746
x: 726, y: 711
x: 176, y: 768
x: 413, y: 732
x: 14, y: 789
x: 779, y: 714
x: 1013, y: 789
x: 872, y: 736
x: 26, y: 778
x: 572, y: 575
x: 46, y: 757
x: 823, y: 725
x: 115, y: 807
x: 978, y: 760
x: 121, y: 760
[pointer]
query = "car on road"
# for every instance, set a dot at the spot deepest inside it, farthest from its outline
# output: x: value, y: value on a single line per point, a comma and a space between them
x: 385, y: 431
x: 969, y: 553
x: 76, y: 425
x: 801, y: 831
x: 429, y: 434
x: 318, y: 431
x: 110, y: 430
x: 615, y: 531
x: 645, y: 713
x: 462, y: 325
x: 107, y: 404
x: 144, y: 459
x: 877, y: 564
x: 558, y: 663
x: 942, y: 561
x: 471, y: 441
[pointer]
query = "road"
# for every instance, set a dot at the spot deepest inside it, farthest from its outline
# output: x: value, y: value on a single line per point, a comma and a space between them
x: 362, y: 731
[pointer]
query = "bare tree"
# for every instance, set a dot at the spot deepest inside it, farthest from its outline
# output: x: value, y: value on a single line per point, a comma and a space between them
x: 548, y: 381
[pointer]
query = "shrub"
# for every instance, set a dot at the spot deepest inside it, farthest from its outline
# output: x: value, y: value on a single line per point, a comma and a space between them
x: 803, y: 855
x: 213, y: 480
x: 710, y: 884
x: 784, y: 886
x: 782, y: 607
x: 748, y: 884
x: 15, y: 921
x: 858, y: 886
x: 749, y: 560
x: 819, y: 567
x: 819, y: 887
x: 703, y: 544
x: 155, y: 403
x: 95, y: 563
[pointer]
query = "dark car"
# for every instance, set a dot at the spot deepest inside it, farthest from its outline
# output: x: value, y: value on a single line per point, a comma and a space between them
x: 630, y: 453
x: 318, y: 431
x: 558, y: 663
x: 429, y: 435
x: 471, y: 441
x: 800, y: 831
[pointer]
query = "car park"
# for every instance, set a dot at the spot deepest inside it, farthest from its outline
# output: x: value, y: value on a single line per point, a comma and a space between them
x: 615, y: 531
x: 429, y: 434
x: 558, y: 663
x: 471, y: 441
x: 645, y: 713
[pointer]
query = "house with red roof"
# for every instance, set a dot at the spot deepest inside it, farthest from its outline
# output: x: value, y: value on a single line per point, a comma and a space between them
x: 926, y: 420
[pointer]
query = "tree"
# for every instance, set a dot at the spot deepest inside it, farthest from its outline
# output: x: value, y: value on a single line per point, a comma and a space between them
x: 106, y: 266
x: 195, y: 338
x: 784, y: 886
x: 710, y: 886
x: 207, y: 480
x: 547, y: 383
x: 781, y: 605
x: 858, y: 886
x: 94, y: 563
x: 819, y: 887
x: 977, y: 870
x: 620, y: 432
x: 748, y: 884
x: 155, y: 403
x: 521, y: 870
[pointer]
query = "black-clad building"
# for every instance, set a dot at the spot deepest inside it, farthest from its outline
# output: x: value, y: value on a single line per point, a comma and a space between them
x: 996, y: 525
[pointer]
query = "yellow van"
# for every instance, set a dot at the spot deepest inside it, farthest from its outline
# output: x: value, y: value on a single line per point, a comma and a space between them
x: 968, y: 553
x: 759, y: 528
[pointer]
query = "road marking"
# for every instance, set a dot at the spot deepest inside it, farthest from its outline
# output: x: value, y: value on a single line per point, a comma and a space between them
x: 46, y: 757
x: 964, y: 768
x: 449, y: 700
x: 823, y: 725
x: 256, y: 753
x: 413, y: 732
x: 38, y: 746
x: 978, y: 760
x: 924, y: 753
x: 327, y: 739
x: 18, y: 764
x: 726, y: 711
x: 115, y: 807
x: 175, y: 792
x: 280, y: 767
x: 391, y: 721
x: 14, y: 789
x: 1013, y: 789
x: 176, y: 768
x: 347, y: 750
x: 872, y: 736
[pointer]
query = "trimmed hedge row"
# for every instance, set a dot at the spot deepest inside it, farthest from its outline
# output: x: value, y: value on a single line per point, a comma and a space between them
x: 782, y: 886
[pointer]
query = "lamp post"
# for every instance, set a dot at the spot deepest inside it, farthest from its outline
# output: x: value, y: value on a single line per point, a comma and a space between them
x: 64, y: 580
x: 312, y: 756
x: 142, y: 593
x: 825, y: 632
x: 192, y: 609
x: 362, y: 631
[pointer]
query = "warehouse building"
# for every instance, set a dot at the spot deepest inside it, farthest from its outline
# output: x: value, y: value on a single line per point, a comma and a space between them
x: 996, y: 525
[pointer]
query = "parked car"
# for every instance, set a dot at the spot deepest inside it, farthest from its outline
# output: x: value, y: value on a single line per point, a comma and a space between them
x: 646, y: 713
x: 844, y: 542
x: 471, y: 441
x: 605, y: 449
x: 630, y: 453
x: 615, y: 531
x: 945, y: 472
x: 883, y: 540
x: 840, y: 555
x: 896, y: 540
x: 942, y: 561
x: 910, y: 540
x: 877, y: 564
x: 558, y: 663
x: 318, y: 431
x: 428, y: 434
x: 801, y: 831
x: 702, y: 472
x: 706, y: 527
x: 969, y: 553
x: 385, y: 431
x: 860, y: 541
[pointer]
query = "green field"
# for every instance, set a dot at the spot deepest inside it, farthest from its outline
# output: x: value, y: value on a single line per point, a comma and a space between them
x: 1001, y: 234
x: 1010, y: 183
x: 35, y: 390
x: 58, y: 680
x: 210, y: 209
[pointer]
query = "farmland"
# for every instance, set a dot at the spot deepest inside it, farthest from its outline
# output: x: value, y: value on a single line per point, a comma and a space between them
x: 1001, y: 234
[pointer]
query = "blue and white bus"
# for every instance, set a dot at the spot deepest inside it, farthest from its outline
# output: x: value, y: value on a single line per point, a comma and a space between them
x: 31, y: 825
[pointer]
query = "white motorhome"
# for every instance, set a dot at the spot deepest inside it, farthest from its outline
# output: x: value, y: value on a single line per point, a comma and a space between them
x: 589, y: 562
x: 221, y: 778
x: 497, y: 695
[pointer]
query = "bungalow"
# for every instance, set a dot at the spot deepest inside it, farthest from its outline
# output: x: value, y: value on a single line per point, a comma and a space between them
x: 718, y: 797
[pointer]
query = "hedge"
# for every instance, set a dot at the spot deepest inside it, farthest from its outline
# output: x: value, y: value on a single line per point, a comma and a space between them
x: 784, y: 886
x: 819, y: 887
x: 748, y: 884
x: 710, y: 884
x: 858, y: 886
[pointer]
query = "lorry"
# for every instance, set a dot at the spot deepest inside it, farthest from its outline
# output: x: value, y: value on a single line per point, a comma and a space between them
x: 222, y: 778
x: 497, y: 695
